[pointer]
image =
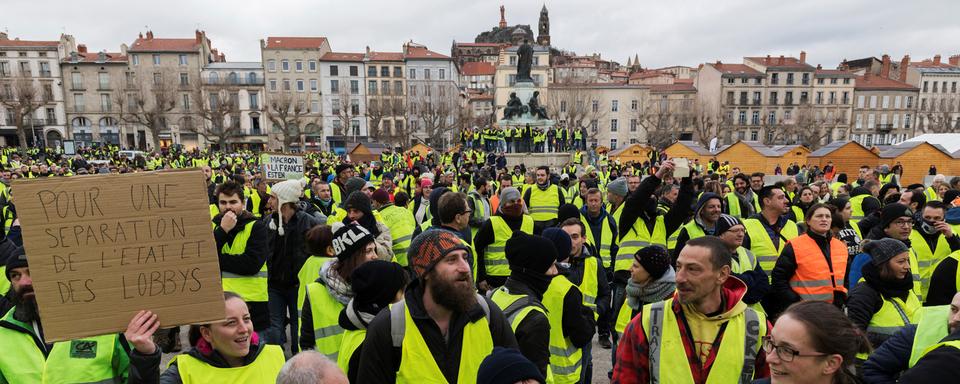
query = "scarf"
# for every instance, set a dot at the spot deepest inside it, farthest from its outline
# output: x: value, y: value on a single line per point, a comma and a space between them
x: 337, y: 287
x: 357, y: 317
x: 886, y: 286
x: 651, y: 292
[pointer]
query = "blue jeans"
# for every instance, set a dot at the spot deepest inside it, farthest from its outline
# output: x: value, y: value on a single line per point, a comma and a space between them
x: 283, y: 310
x: 586, y: 372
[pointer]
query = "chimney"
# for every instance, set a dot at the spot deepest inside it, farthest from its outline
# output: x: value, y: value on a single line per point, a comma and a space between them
x: 936, y: 59
x: 718, y: 62
x: 149, y: 35
x: 955, y: 60
x: 141, y: 35
x: 82, y: 48
x: 198, y: 36
x: 781, y: 60
x: 3, y: 36
x: 803, y: 57
x: 904, y: 64
x: 885, y: 67
x: 819, y: 66
x: 368, y: 50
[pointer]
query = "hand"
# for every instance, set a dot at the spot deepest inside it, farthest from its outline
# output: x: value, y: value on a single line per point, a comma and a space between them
x: 484, y: 286
x: 140, y: 331
x: 666, y: 168
x: 228, y: 221
x: 944, y: 228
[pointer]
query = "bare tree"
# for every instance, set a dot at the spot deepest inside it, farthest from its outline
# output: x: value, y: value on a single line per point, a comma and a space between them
x: 939, y: 116
x: 345, y: 110
x: 440, y: 111
x: 217, y: 104
x: 398, y: 132
x: 148, y: 102
x: 660, y: 120
x: 21, y: 98
x: 809, y: 127
x: 288, y: 114
x: 577, y: 106
x: 706, y: 123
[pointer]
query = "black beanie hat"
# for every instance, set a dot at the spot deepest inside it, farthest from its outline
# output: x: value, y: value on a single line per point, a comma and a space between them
x: 870, y: 205
x: 349, y: 239
x: 950, y: 195
x: 507, y: 366
x: 724, y: 223
x: 560, y: 239
x: 359, y: 201
x: 529, y: 252
x: 375, y: 285
x: 341, y: 167
x: 882, y: 250
x: 892, y: 212
x: 654, y: 259
x: 17, y: 259
x: 567, y: 211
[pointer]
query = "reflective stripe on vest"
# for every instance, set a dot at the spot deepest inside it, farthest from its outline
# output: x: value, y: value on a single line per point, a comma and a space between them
x: 566, y: 360
x: 251, y: 288
x: 606, y: 238
x: 734, y: 363
x: 636, y: 238
x: 325, y: 310
x: 309, y: 273
x: 856, y: 207
x: 352, y: 340
x: 744, y: 262
x: 544, y: 205
x: 589, y: 285
x: 894, y: 315
x: 515, y: 307
x: 762, y: 246
x: 931, y: 329
x: 927, y: 259
x: 417, y: 363
x: 262, y: 370
x: 813, y: 280
x: 86, y: 360
x: 495, y: 257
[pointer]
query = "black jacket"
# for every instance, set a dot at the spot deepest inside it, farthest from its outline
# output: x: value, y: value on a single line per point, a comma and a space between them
x: 941, y: 365
x: 254, y: 255
x: 380, y: 360
x: 867, y: 297
x: 145, y: 369
x: 533, y: 333
x: 574, y: 272
x: 289, y: 252
x: 640, y: 205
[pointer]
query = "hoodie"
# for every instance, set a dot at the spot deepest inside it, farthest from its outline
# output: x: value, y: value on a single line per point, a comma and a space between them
x: 704, y: 328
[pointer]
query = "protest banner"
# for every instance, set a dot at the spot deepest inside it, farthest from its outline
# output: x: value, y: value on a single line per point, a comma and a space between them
x: 103, y: 247
x: 277, y: 167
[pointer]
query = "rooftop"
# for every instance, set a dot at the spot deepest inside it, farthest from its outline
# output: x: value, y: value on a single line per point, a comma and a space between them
x: 416, y: 51
x: 94, y: 57
x: 252, y: 65
x: 881, y: 83
x: 385, y: 56
x: 781, y: 62
x: 151, y: 44
x: 295, y: 42
x: 28, y: 43
x: 737, y: 70
x: 342, y: 56
x: 675, y: 87
x: 833, y: 146
x: 475, y: 68
x: 833, y: 73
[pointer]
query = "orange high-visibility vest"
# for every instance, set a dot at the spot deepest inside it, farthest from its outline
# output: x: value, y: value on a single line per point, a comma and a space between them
x: 813, y: 279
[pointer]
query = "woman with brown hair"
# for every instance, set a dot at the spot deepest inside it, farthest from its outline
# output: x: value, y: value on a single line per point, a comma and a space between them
x: 812, y: 342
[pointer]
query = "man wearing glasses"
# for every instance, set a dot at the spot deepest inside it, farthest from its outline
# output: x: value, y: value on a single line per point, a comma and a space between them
x: 704, y: 333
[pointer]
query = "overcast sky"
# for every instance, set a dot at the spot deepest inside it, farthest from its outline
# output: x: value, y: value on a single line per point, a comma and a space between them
x: 661, y: 32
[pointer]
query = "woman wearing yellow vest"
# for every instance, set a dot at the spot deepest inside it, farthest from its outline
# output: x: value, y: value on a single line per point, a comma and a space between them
x: 375, y: 285
x: 227, y: 351
x: 813, y: 343
x: 319, y: 243
x: 883, y: 302
x: 330, y: 293
x: 804, y: 200
x: 811, y: 266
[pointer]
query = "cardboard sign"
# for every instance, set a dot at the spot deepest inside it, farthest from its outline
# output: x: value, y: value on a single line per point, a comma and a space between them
x: 281, y: 167
x: 103, y: 247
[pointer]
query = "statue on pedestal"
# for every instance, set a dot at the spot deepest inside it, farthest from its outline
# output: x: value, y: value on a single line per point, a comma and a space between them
x: 524, y: 62
x: 514, y: 107
x: 535, y: 109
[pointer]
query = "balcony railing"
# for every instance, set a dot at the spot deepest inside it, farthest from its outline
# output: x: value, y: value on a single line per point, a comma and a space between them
x: 884, y: 127
x: 239, y: 81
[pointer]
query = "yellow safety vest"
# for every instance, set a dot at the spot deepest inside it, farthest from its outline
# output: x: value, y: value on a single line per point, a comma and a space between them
x: 589, y: 286
x: 262, y: 370
x: 325, y: 310
x: 733, y: 205
x: 931, y: 194
x: 544, y: 205
x: 565, y: 359
x: 797, y: 213
x: 309, y: 273
x: 895, y: 314
x: 495, y: 257
x: 927, y: 259
x: 376, y: 180
x: 352, y: 340
x: 762, y: 246
x: 856, y: 207
x: 606, y: 238
x: 930, y: 330
x: 636, y: 238
x: 739, y: 347
x: 417, y: 364
x: 951, y: 343
x: 250, y: 288
x: 402, y: 224
x: 86, y: 360
x: 515, y: 307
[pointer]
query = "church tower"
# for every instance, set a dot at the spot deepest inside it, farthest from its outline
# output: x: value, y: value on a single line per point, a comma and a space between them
x: 543, y: 37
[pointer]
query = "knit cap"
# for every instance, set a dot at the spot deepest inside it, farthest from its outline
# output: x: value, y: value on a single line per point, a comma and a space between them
x: 567, y: 211
x: 507, y: 366
x: 17, y: 259
x: 883, y: 250
x: 509, y: 194
x: 381, y: 196
x: 654, y: 259
x: 360, y: 202
x: 892, y: 212
x: 349, y: 239
x: 352, y: 185
x: 560, y: 239
x: 342, y: 167
x: 618, y: 187
x: 375, y: 284
x: 430, y: 246
x: 532, y: 253
x: 287, y: 191
x: 725, y: 223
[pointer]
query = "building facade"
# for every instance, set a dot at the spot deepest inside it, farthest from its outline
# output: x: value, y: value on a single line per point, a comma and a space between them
x: 610, y: 114
x: 884, y: 111
x: 938, y: 110
x: 293, y: 83
x: 505, y: 77
x: 34, y: 67
x: 387, y: 97
x: 435, y: 105
x: 235, y: 90
x: 93, y: 82
x: 343, y: 91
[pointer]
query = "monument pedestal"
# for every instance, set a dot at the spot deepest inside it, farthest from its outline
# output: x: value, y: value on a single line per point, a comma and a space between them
x: 524, y: 91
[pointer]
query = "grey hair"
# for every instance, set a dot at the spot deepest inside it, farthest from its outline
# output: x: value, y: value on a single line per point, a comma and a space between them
x: 307, y: 367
